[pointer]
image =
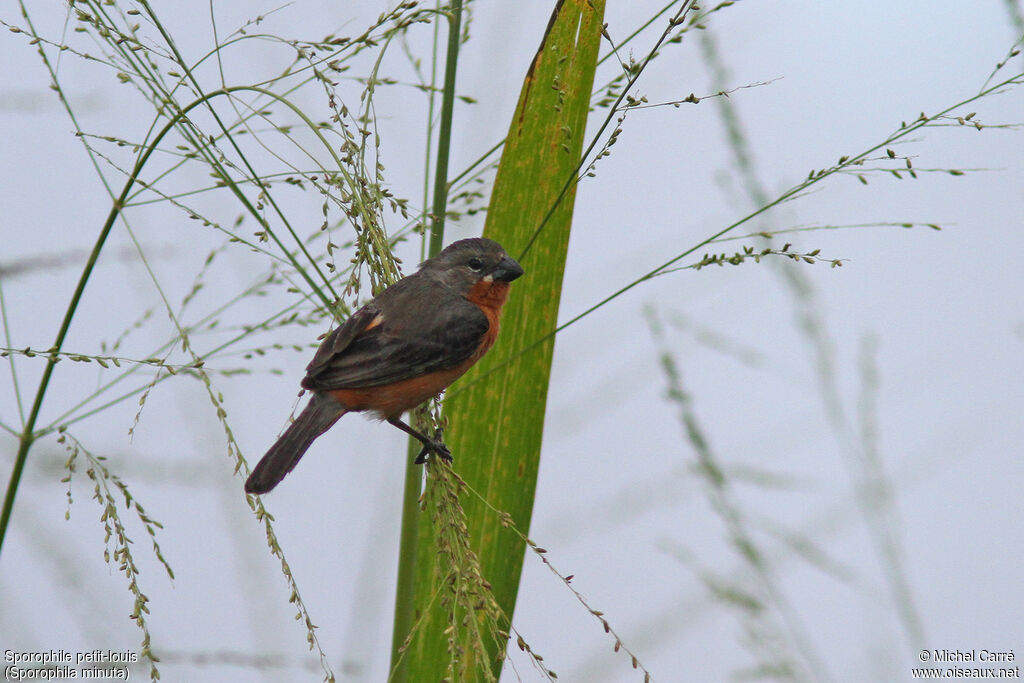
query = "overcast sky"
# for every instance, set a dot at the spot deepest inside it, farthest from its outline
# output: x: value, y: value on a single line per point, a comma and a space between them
x: 935, y: 317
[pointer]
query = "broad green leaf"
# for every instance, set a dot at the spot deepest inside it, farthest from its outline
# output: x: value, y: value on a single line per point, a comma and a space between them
x: 496, y: 412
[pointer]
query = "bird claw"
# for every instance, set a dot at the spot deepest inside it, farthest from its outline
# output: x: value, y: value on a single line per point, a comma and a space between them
x: 436, y: 447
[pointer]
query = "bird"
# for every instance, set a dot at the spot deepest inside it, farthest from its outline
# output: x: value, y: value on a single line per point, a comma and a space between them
x: 405, y: 346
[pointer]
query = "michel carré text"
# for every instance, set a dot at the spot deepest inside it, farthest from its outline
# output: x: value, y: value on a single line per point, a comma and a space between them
x: 972, y: 656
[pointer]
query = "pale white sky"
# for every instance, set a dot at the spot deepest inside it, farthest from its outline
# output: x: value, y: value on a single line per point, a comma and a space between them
x: 618, y: 504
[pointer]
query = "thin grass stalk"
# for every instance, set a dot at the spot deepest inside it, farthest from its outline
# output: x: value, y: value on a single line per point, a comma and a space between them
x: 255, y: 176
x: 813, y: 326
x: 405, y: 588
x: 444, y: 135
x: 28, y: 434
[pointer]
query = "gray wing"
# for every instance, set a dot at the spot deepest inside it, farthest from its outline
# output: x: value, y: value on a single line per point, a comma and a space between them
x: 419, y: 332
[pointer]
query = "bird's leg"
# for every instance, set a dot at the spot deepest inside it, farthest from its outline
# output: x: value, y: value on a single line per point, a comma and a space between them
x: 435, y: 445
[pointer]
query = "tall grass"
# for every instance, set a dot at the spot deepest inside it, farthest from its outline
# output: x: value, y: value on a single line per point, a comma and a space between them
x: 244, y: 158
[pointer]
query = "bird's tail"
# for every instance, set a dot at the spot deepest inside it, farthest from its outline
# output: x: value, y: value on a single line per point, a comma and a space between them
x: 320, y: 413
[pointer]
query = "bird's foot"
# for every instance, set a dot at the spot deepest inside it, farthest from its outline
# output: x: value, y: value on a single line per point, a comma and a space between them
x: 436, y: 447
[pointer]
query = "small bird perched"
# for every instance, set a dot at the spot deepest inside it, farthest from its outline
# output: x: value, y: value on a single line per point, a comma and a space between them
x: 405, y: 346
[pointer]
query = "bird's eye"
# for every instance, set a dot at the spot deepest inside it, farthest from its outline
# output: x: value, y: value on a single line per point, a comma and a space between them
x: 476, y: 264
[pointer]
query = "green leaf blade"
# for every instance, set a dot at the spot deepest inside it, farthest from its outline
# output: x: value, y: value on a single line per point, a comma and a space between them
x: 496, y: 412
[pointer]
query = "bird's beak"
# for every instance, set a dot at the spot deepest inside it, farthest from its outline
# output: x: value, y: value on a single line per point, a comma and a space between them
x: 507, y: 270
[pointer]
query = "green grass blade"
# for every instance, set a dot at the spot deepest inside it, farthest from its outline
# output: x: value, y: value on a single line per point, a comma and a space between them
x: 496, y: 424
